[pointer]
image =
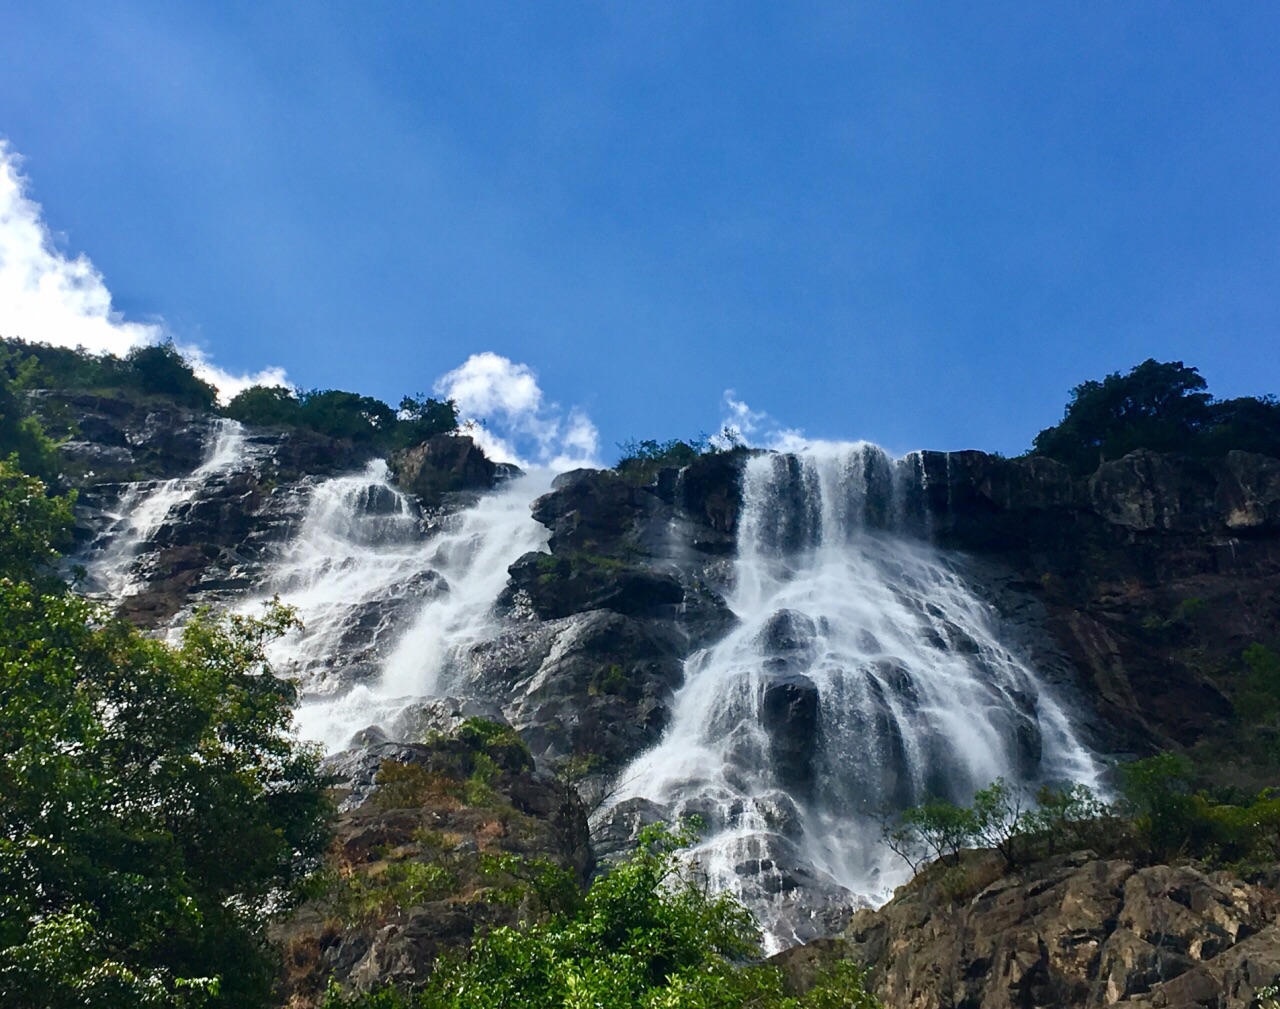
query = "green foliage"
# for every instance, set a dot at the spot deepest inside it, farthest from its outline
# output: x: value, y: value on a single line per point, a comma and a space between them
x: 421, y: 418
x: 1259, y: 697
x: 159, y: 370
x: 154, y: 808
x: 1157, y: 817
x: 33, y: 526
x: 361, y: 898
x: 647, y: 936
x: 1157, y: 798
x: 934, y: 829
x: 156, y: 370
x: 338, y: 414
x: 554, y: 889
x: 641, y: 460
x: 41, y: 366
x: 1160, y: 406
x: 265, y: 406
x: 22, y: 438
x: 500, y: 742
x: 658, y: 454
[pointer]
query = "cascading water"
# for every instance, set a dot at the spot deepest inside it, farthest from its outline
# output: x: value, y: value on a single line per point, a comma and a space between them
x: 397, y: 605
x: 144, y: 507
x: 863, y: 676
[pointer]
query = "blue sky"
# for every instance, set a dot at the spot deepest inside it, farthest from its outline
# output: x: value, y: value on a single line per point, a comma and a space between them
x: 890, y: 221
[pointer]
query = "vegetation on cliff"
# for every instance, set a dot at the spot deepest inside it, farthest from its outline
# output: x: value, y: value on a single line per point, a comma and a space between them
x: 336, y: 414
x: 1158, y: 816
x: 1162, y: 406
x: 154, y: 808
x: 161, y: 373
x: 646, y: 936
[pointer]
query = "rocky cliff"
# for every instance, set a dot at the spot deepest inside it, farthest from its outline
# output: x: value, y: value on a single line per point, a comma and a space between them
x: 1077, y: 931
x: 1131, y: 593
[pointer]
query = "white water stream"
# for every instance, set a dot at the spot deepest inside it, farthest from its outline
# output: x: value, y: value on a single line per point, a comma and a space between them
x: 143, y: 508
x: 386, y: 604
x: 863, y: 676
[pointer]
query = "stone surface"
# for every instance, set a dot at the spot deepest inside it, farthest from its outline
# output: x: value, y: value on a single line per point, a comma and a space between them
x: 410, y: 809
x: 445, y: 464
x: 1074, y: 932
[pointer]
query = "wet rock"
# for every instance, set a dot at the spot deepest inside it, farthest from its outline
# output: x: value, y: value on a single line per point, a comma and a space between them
x: 600, y: 685
x: 790, y: 712
x: 443, y: 715
x: 709, y: 491
x: 786, y: 633
x: 561, y: 585
x: 616, y: 828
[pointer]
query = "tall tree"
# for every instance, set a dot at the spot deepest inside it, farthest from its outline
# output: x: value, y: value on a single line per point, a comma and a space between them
x: 154, y: 807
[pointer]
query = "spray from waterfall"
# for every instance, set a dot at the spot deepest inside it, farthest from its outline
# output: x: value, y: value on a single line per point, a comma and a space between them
x: 863, y: 676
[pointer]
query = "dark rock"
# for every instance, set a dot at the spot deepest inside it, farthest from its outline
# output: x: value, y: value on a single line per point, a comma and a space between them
x: 443, y: 715
x: 789, y: 712
x: 560, y: 585
x: 709, y: 491
x: 444, y: 464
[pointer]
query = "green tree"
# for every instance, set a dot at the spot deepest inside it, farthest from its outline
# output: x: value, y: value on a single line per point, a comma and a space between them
x: 1160, y: 406
x: 265, y: 405
x: 422, y: 418
x: 647, y: 936
x: 154, y: 808
x: 160, y: 370
x: 21, y: 435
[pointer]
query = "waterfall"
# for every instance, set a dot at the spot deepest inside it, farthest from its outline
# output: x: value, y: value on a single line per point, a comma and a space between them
x: 863, y: 676
x: 144, y: 507
x: 390, y: 607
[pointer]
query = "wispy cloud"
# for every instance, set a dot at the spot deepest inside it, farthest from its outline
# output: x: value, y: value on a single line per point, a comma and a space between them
x: 743, y: 425
x: 47, y: 296
x: 511, y: 419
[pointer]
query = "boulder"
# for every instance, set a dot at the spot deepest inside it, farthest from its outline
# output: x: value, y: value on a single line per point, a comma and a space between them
x: 444, y: 464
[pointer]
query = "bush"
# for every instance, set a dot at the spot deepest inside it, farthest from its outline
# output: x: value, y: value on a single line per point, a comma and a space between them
x: 338, y: 414
x: 160, y: 370
x: 647, y: 936
x: 641, y: 460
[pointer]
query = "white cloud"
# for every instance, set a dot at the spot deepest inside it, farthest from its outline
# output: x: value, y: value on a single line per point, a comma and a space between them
x: 48, y: 297
x: 746, y: 426
x: 510, y: 419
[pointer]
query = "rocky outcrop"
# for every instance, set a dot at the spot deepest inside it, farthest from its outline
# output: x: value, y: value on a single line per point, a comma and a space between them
x: 1075, y: 932
x: 116, y: 437
x: 438, y: 840
x: 446, y: 464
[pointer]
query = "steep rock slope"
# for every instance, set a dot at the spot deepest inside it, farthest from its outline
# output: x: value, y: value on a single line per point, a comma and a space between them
x: 1074, y: 932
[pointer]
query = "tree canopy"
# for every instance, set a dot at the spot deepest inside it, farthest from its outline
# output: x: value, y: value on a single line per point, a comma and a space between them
x: 337, y: 414
x: 1162, y: 406
x: 154, y: 808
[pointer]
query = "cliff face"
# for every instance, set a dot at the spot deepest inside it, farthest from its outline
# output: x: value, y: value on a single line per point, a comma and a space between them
x: 1154, y: 573
x: 1075, y: 932
x: 1141, y: 583
x: 1131, y: 593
